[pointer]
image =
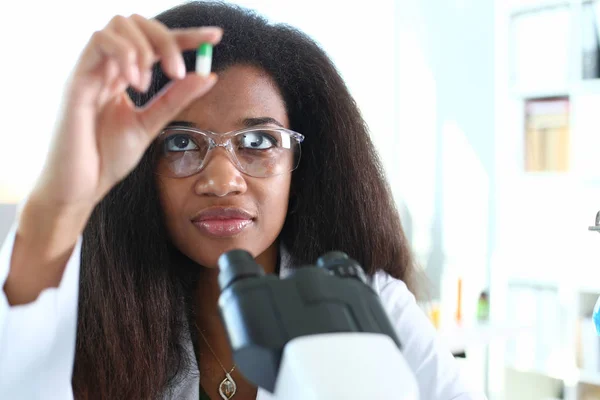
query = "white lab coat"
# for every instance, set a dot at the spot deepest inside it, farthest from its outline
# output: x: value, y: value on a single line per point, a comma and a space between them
x: 37, y: 341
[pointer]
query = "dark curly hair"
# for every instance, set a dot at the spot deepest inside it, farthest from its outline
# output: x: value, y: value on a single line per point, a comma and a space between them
x: 135, y: 294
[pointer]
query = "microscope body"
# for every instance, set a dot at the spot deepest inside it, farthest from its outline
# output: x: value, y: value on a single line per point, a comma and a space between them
x: 319, y: 333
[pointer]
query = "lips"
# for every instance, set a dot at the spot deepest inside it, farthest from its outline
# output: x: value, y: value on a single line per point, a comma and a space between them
x: 222, y: 221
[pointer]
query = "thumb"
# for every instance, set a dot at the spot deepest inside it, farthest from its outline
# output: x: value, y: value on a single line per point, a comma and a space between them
x: 171, y: 100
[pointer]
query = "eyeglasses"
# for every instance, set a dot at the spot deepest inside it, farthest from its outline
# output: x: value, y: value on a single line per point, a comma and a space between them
x: 258, y: 151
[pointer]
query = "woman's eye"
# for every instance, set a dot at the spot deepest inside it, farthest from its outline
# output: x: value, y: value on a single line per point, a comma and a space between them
x: 180, y: 143
x: 257, y: 140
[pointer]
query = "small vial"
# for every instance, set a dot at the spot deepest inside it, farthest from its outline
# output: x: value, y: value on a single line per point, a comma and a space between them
x: 204, y: 59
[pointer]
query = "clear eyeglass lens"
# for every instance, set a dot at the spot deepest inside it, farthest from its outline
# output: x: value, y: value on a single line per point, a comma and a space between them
x: 261, y: 152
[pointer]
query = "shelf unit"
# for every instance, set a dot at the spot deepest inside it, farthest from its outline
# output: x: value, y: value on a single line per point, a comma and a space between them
x: 542, y: 237
x: 567, y: 369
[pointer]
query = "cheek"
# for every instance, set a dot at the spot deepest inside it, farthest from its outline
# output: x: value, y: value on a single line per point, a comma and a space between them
x: 276, y: 198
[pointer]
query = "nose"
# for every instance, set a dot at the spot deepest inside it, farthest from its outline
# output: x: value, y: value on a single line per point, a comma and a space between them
x: 219, y: 176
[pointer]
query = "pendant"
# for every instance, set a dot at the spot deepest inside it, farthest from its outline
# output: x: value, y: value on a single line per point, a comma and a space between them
x: 227, y: 387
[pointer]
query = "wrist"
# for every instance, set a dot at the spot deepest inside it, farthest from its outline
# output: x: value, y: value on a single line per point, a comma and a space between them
x: 45, y: 239
x: 51, y: 228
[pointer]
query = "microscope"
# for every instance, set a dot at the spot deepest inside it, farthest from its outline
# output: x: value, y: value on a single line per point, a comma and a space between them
x: 320, y: 333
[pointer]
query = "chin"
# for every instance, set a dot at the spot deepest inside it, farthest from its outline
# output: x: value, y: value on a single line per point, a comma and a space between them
x: 207, y: 260
x: 209, y: 257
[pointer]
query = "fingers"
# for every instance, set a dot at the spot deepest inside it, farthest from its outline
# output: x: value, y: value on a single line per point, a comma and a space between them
x: 171, y: 101
x: 188, y: 39
x: 136, y: 43
x: 144, y: 51
x: 119, y: 49
x: 168, y: 44
x: 164, y: 45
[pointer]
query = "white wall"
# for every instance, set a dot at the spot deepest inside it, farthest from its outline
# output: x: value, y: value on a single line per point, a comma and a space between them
x: 446, y: 159
x: 40, y: 42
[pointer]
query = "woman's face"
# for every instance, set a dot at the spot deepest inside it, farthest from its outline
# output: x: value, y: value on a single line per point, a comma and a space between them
x: 221, y: 208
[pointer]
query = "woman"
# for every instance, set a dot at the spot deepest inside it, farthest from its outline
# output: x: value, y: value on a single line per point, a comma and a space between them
x: 155, y: 210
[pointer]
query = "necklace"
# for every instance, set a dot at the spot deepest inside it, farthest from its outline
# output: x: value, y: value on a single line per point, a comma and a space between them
x: 227, y: 387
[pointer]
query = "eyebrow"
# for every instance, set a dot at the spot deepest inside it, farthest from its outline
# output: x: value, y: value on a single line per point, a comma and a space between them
x: 249, y: 122
x: 246, y: 122
x: 180, y: 123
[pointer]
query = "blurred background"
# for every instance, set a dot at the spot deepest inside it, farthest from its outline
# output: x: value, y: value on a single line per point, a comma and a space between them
x: 486, y: 114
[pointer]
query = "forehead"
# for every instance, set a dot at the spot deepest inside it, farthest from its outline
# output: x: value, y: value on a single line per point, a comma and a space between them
x: 241, y: 92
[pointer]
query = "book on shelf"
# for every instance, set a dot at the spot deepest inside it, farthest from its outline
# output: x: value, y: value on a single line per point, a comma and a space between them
x: 547, y: 135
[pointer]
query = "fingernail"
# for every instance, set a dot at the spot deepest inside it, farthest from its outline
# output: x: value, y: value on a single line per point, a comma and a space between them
x: 208, y: 80
x: 135, y: 75
x: 181, y: 69
x: 212, y: 77
x: 146, y: 79
x: 215, y: 30
x: 210, y: 29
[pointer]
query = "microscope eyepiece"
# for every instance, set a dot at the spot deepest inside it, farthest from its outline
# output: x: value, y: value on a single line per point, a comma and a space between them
x: 235, y: 265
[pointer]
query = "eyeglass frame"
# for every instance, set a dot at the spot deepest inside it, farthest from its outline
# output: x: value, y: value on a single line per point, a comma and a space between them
x: 225, y: 143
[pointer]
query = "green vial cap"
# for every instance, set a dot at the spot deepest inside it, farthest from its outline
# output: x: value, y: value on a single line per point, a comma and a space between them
x: 205, y: 50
